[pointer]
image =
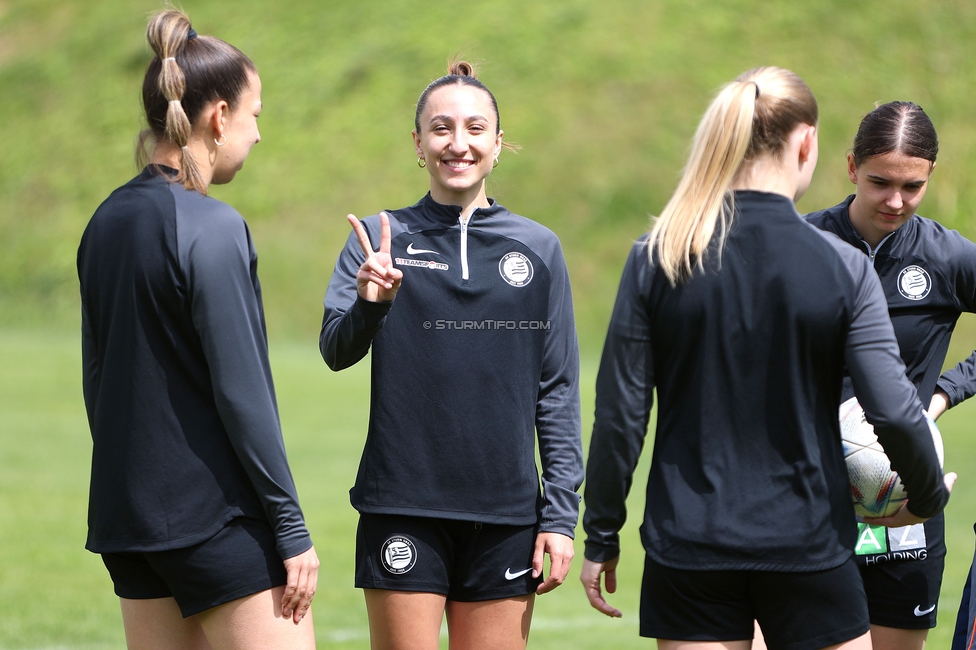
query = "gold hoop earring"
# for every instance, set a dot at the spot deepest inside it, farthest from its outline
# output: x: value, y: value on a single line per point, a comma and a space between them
x: 223, y: 140
x: 421, y: 163
x: 494, y: 164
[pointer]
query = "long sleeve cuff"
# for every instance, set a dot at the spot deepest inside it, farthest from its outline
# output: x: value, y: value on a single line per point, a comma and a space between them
x: 602, y: 551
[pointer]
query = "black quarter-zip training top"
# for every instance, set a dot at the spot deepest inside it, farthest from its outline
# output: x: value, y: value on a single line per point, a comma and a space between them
x: 748, y: 358
x: 928, y: 274
x: 177, y: 382
x: 476, y: 354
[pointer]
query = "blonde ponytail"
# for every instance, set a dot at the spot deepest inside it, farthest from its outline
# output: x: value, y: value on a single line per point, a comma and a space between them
x: 751, y: 117
x: 683, y: 231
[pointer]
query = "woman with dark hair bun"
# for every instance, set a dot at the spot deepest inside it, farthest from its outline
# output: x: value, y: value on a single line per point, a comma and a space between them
x: 928, y: 274
x: 468, y: 311
x: 193, y: 507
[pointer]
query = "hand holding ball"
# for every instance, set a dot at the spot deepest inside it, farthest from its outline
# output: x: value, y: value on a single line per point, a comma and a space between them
x: 876, y: 489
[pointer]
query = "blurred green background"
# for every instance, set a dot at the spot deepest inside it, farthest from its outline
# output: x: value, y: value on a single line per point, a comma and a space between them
x: 603, y: 99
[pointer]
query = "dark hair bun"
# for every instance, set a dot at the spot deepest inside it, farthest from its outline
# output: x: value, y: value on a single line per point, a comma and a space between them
x: 461, y: 69
x: 459, y: 73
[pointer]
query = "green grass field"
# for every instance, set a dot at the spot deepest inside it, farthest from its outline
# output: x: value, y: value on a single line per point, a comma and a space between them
x: 602, y: 97
x: 58, y: 596
x: 44, y: 463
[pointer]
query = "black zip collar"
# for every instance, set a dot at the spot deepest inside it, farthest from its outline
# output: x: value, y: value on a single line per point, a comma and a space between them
x: 852, y: 236
x: 153, y: 170
x: 449, y: 215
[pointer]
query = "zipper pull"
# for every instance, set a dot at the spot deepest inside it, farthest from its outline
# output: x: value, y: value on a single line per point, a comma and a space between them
x: 464, y: 247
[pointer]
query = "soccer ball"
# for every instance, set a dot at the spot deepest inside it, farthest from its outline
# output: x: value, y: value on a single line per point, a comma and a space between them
x: 876, y: 489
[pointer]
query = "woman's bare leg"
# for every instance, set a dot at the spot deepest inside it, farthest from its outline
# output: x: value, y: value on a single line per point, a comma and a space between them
x: 671, y: 644
x: 157, y: 624
x: 893, y: 638
x: 255, y: 622
x: 404, y: 620
x: 490, y: 625
x: 862, y: 642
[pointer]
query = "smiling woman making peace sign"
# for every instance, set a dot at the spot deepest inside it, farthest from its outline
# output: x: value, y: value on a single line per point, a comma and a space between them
x: 377, y: 279
x: 468, y: 311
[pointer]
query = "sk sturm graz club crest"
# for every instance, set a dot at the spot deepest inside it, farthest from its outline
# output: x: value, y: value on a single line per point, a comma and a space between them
x: 398, y: 554
x: 516, y: 269
x: 914, y: 282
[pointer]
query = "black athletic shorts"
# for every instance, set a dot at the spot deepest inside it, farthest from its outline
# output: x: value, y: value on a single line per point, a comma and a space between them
x: 902, y: 572
x: 463, y: 560
x: 238, y: 561
x: 795, y: 610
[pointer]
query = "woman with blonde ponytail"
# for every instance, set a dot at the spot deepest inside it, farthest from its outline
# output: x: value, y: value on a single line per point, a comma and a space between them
x: 468, y: 312
x: 743, y: 318
x: 192, y: 504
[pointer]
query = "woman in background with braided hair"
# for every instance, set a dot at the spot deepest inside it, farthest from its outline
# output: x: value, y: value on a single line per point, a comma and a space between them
x: 192, y: 503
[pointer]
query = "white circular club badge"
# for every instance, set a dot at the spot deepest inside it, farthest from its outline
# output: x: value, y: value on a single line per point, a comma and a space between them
x: 398, y: 554
x: 516, y: 269
x: 914, y: 282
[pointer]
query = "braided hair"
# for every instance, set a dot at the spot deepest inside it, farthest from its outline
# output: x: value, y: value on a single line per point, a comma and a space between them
x: 187, y: 73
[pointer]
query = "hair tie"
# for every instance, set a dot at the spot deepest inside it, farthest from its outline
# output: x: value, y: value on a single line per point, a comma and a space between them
x: 177, y: 102
x: 170, y: 58
x: 192, y: 34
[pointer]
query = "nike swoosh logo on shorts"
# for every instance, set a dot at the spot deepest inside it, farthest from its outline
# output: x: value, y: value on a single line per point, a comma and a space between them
x: 511, y: 576
x: 923, y: 612
x: 417, y: 251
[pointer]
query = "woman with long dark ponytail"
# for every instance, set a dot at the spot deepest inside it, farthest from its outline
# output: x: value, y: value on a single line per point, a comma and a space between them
x: 743, y: 319
x: 193, y: 507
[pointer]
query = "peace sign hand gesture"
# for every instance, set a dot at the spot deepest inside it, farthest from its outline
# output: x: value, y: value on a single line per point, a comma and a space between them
x: 377, y: 279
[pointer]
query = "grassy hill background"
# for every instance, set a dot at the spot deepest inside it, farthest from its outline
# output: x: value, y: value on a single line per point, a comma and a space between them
x: 603, y: 99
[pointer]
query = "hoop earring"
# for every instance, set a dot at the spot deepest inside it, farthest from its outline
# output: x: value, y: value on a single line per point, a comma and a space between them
x: 223, y: 140
x: 421, y: 163
x: 494, y: 164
